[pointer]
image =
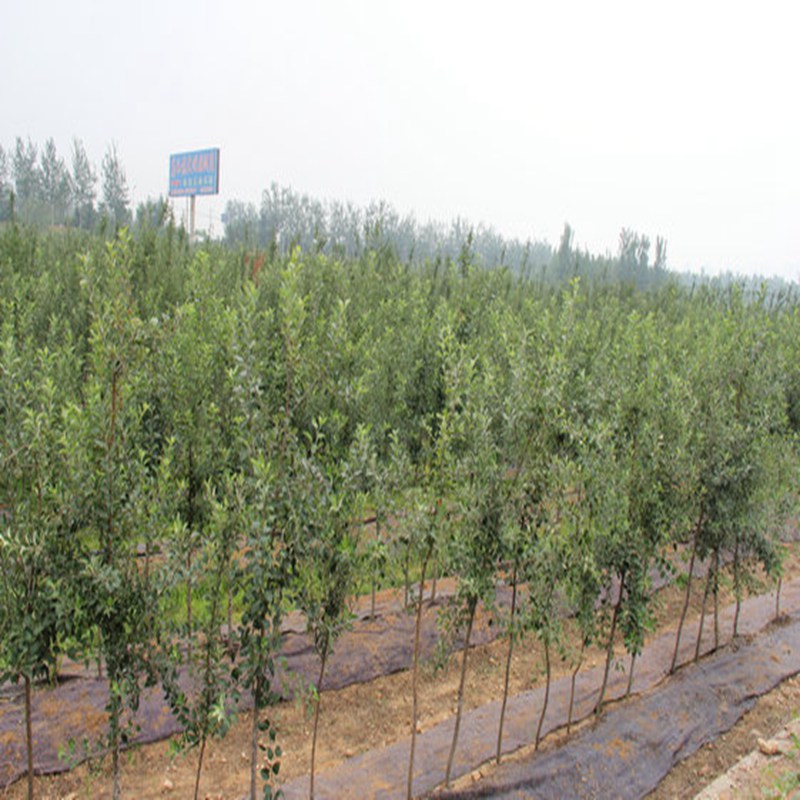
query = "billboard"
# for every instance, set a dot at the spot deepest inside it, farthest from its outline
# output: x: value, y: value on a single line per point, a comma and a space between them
x: 194, y: 173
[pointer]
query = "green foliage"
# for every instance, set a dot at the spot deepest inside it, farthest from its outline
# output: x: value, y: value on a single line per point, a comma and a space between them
x: 234, y: 425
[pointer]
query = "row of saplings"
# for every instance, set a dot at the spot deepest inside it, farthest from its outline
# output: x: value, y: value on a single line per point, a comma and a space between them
x: 553, y: 549
x: 545, y: 588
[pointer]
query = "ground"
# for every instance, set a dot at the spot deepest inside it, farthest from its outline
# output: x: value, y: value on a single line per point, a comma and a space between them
x: 369, y: 715
x: 768, y: 718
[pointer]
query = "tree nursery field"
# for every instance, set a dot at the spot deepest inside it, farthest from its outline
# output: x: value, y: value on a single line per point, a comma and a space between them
x: 208, y: 448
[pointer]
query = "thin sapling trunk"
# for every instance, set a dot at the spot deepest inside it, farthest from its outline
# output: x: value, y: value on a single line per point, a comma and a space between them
x: 610, y: 647
x: 406, y: 579
x: 257, y: 695
x: 572, y: 685
x: 702, y: 616
x: 716, y: 600
x: 687, y: 594
x: 189, y: 604
x: 414, y: 678
x: 29, y: 733
x: 199, y: 768
x: 546, y: 692
x: 116, y: 791
x: 630, y: 675
x: 509, y: 656
x: 471, y: 611
x: 323, y: 660
x: 737, y: 588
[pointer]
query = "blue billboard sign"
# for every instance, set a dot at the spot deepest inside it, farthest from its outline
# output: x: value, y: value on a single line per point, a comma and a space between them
x: 194, y: 173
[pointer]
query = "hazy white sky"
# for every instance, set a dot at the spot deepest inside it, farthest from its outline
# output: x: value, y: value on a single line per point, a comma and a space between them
x: 678, y: 119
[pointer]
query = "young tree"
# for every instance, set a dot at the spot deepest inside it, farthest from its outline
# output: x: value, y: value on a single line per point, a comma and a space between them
x: 427, y: 520
x: 328, y: 566
x: 36, y: 564
x: 466, y: 447
x: 107, y: 470
x: 273, y: 511
x: 207, y: 710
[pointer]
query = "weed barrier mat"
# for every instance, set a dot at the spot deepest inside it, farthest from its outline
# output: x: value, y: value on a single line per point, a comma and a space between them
x: 631, y: 746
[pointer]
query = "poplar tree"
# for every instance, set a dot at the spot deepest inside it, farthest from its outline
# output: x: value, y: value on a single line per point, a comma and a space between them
x: 115, y: 203
x: 83, y: 185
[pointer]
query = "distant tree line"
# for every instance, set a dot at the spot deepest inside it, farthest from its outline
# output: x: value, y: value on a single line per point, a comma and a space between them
x: 287, y: 219
x: 38, y: 186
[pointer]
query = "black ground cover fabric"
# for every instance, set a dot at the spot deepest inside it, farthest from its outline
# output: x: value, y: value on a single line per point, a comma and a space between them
x: 634, y: 745
x: 609, y: 763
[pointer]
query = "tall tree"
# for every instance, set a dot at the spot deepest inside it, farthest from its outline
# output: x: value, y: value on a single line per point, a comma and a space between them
x: 83, y: 186
x: 27, y: 178
x: 5, y: 187
x: 116, y: 204
x: 55, y: 184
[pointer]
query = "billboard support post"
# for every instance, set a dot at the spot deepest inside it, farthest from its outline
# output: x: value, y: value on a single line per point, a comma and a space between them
x: 191, y: 174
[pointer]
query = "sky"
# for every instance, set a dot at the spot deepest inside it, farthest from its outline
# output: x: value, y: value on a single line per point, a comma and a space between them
x: 678, y: 119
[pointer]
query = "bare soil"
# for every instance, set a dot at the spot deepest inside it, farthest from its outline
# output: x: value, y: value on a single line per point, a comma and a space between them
x: 364, y: 716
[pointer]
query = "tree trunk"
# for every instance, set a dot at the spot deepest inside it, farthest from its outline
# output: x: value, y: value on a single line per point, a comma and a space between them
x: 116, y: 792
x: 709, y: 578
x: 737, y: 588
x: 199, y: 767
x: 257, y: 694
x: 508, y: 660
x: 630, y: 675
x: 716, y: 600
x: 323, y: 659
x: 189, y: 605
x: 610, y: 648
x: 433, y: 581
x: 406, y: 584
x: 374, y: 576
x: 414, y: 677
x: 687, y: 595
x: 778, y: 598
x: 230, y: 613
x: 471, y: 607
x: 572, y: 686
x: 29, y: 733
x: 546, y: 693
